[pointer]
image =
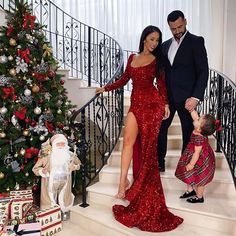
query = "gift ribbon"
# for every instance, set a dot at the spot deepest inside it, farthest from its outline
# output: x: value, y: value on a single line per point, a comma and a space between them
x: 23, y: 232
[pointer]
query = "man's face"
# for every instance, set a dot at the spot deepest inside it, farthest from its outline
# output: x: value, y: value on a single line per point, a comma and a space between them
x: 178, y: 27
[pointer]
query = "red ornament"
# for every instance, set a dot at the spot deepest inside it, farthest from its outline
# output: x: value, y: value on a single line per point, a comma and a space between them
x: 35, y: 187
x: 40, y: 101
x: 51, y: 73
x: 33, y: 123
x: 60, y: 125
x: 22, y: 167
x: 62, y: 81
x: 27, y: 120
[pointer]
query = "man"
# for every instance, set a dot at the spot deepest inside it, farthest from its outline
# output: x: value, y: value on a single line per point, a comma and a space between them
x: 54, y: 165
x: 186, y: 79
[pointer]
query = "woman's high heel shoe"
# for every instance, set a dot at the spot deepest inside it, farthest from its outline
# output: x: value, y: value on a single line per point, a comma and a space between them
x: 121, y: 193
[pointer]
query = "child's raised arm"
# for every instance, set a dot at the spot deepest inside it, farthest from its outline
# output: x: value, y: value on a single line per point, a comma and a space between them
x: 194, y: 115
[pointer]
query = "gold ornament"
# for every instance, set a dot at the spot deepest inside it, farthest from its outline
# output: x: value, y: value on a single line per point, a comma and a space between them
x: 12, y: 42
x: 24, y: 77
x: 26, y: 174
x: 35, y: 88
x: 2, y: 135
x: 47, y: 50
x: 59, y: 111
x: 8, y: 189
x: 22, y: 151
x: 12, y: 72
x: 2, y: 175
x: 26, y: 132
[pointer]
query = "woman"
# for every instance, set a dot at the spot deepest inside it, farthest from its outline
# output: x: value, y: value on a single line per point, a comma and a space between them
x: 147, y: 209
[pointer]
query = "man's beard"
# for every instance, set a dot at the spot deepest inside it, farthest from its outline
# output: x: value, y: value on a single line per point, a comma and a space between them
x: 60, y: 157
x: 179, y: 35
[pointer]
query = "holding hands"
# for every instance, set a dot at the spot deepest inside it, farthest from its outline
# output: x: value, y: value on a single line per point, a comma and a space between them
x: 100, y: 90
x: 191, y: 103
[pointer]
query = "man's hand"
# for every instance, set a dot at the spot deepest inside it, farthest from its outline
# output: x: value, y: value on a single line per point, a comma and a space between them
x: 167, y: 112
x: 190, y: 104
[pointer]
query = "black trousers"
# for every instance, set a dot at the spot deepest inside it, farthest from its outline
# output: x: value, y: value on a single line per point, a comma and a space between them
x: 186, y: 125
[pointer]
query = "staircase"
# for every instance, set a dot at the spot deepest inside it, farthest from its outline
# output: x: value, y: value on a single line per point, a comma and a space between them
x: 217, y: 216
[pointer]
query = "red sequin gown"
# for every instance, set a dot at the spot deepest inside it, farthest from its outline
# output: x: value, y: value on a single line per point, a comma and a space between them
x: 147, y: 209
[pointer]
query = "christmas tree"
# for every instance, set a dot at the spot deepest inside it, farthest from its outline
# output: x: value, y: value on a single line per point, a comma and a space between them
x: 33, y: 101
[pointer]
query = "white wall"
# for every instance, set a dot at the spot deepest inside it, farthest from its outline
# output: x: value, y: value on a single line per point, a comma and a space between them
x: 229, y: 55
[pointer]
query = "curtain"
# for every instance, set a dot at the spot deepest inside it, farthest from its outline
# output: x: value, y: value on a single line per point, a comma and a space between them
x: 124, y: 20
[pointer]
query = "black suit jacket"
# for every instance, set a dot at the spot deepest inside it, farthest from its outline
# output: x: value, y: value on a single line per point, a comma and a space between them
x: 188, y: 75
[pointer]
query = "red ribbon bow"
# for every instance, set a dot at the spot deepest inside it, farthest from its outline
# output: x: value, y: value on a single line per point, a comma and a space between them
x: 30, y: 152
x: 9, y: 30
x: 217, y: 124
x: 20, y: 114
x: 24, y: 54
x: 49, y: 126
x: 9, y: 92
x: 28, y: 20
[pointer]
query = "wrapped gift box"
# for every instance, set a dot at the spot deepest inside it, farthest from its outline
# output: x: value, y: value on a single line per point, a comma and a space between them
x: 50, y: 220
x: 4, y: 210
x: 18, y: 194
x: 19, y: 207
x: 32, y: 229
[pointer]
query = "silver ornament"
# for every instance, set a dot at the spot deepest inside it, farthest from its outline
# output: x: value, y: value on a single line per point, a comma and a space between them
x: 27, y: 92
x: 42, y: 138
x: 3, y: 59
x: 3, y: 110
x: 10, y: 58
x: 37, y: 110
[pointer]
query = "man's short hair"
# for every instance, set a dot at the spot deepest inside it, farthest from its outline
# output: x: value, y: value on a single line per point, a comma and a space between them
x: 174, y: 15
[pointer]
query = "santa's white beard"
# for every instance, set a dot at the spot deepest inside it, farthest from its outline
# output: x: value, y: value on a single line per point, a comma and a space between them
x: 60, y: 157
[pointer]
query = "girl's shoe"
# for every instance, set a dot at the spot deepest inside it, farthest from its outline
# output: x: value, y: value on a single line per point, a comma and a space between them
x: 121, y: 193
x: 188, y: 194
x: 195, y: 199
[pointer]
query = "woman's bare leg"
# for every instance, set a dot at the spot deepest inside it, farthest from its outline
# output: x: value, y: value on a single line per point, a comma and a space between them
x: 130, y: 134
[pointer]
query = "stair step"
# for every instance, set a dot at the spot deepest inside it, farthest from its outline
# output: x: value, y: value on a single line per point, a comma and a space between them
x: 103, y: 223
x: 69, y: 229
x: 174, y: 142
x: 218, y: 208
x: 172, y: 158
x: 222, y: 182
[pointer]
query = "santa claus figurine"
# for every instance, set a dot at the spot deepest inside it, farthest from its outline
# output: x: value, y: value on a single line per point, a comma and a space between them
x: 54, y: 165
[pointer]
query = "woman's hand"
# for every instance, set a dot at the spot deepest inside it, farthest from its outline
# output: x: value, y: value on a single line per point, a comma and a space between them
x: 100, y: 90
x: 167, y: 112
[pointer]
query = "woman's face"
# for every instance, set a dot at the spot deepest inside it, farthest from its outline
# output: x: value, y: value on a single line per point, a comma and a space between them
x: 151, y: 41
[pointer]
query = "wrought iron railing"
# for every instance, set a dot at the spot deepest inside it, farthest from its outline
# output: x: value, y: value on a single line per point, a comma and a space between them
x: 220, y: 101
x: 76, y: 45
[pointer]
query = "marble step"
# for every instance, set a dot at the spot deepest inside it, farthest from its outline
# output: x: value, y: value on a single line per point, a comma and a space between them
x: 69, y: 229
x: 98, y: 219
x: 172, y: 158
x: 222, y: 182
x: 174, y: 142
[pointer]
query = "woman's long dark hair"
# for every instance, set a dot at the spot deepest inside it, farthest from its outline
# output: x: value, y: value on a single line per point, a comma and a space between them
x: 158, y: 50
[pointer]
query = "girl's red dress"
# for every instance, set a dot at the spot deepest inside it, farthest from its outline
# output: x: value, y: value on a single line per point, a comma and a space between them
x: 204, y: 169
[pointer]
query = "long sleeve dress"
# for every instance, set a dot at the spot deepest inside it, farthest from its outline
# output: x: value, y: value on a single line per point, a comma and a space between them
x: 147, y: 209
